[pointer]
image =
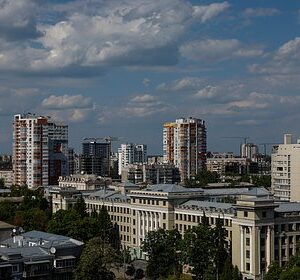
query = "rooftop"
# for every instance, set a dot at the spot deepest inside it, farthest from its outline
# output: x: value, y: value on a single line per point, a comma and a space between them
x: 171, y: 188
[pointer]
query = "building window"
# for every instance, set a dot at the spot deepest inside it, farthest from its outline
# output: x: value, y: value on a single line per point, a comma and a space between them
x: 247, y: 254
x: 247, y: 266
x: 247, y: 241
x: 164, y: 216
x: 164, y: 203
x: 264, y: 214
x: 245, y: 213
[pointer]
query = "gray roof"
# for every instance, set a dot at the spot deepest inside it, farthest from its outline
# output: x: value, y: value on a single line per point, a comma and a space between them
x: 48, y: 240
x: 237, y: 191
x: 108, y: 195
x: 32, y: 252
x: 207, y: 204
x: 288, y: 207
x: 171, y: 188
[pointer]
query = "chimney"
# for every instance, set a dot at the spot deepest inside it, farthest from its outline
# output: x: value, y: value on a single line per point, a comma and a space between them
x: 287, y: 139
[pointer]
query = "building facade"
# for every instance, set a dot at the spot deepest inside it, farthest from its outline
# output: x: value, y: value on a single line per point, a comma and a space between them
x: 40, y: 150
x: 285, y: 170
x: 131, y: 153
x: 259, y: 230
x: 163, y: 173
x: 184, y: 145
x: 8, y: 177
x: 95, y: 158
x: 249, y: 151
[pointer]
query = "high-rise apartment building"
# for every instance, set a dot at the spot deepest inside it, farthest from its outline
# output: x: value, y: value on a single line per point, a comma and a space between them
x: 40, y: 150
x: 250, y: 151
x: 184, y: 145
x: 131, y: 153
x: 95, y: 158
x: 285, y: 170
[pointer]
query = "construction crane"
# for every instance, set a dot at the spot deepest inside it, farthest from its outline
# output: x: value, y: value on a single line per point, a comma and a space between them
x: 245, y: 138
x: 265, y: 147
x: 107, y: 139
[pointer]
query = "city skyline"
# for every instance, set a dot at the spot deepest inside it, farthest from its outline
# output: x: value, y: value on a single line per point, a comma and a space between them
x: 123, y: 68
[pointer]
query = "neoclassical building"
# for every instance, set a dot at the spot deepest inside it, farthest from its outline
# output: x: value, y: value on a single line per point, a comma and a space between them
x: 259, y: 230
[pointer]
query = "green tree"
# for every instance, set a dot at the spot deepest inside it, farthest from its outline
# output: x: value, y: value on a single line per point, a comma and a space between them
x: 80, y: 207
x: 230, y: 272
x: 202, y: 179
x: 32, y: 219
x: 273, y: 272
x: 197, y: 247
x: 2, y: 183
x: 96, y: 261
x: 262, y: 181
x: 162, y: 247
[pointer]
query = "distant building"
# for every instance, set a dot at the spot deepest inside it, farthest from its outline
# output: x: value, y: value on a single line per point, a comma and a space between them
x: 83, y: 181
x: 151, y: 173
x: 8, y: 177
x: 131, y: 153
x: 95, y: 158
x: 285, y: 170
x: 154, y: 159
x: 231, y: 165
x: 39, y: 255
x: 184, y: 145
x: 40, y: 150
x: 249, y: 151
x: 5, y: 162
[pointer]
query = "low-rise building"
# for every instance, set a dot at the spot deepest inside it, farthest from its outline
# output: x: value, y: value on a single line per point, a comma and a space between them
x: 8, y: 177
x: 259, y: 229
x: 39, y: 255
x: 83, y: 181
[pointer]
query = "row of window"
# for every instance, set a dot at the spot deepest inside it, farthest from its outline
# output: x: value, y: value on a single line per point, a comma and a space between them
x: 149, y: 201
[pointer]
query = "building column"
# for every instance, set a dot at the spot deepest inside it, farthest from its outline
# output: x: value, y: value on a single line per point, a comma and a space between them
x: 147, y: 222
x: 138, y: 228
x: 258, y: 249
x: 155, y: 220
x: 242, y: 247
x: 251, y: 250
x: 151, y: 219
x: 268, y: 248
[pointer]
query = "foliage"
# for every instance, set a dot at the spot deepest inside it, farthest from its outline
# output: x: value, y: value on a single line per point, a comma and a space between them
x: 262, y: 181
x: 32, y: 219
x: 80, y: 207
x: 230, y: 272
x: 162, y: 247
x: 202, y: 179
x: 96, y: 261
x: 2, y: 183
x: 291, y: 271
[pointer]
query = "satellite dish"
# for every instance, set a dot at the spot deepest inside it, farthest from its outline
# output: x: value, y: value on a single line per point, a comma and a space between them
x: 52, y: 250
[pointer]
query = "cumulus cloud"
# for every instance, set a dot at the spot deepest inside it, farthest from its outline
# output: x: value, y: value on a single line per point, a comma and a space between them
x: 91, y: 37
x: 61, y: 102
x: 185, y: 84
x: 18, y: 19
x: 284, y: 61
x: 207, y: 12
x: 210, y: 50
x: 260, y: 12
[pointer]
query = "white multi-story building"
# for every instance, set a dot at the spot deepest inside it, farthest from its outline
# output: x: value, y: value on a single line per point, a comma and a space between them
x: 40, y: 150
x: 131, y: 153
x: 184, y: 145
x: 249, y: 151
x: 285, y: 170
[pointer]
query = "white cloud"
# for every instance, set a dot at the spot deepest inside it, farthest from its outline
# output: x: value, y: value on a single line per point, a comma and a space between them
x: 61, y: 102
x: 205, y: 13
x: 210, y: 50
x: 185, y: 84
x: 143, y: 98
x: 261, y: 12
x: 208, y: 92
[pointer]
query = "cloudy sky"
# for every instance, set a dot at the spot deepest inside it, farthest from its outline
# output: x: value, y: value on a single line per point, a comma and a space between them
x: 124, y: 67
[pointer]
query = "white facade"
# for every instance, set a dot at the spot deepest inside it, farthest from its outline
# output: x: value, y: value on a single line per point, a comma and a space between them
x: 285, y: 170
x: 7, y: 176
x: 131, y: 153
x: 184, y: 145
x: 250, y: 151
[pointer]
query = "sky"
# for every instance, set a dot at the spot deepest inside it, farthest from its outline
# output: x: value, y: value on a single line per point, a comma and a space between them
x: 124, y: 67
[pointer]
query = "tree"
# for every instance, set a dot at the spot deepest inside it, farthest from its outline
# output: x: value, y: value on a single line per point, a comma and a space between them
x: 202, y: 179
x: 32, y: 219
x: 96, y: 261
x: 2, y: 183
x: 162, y: 247
x: 273, y: 272
x: 80, y: 207
x: 230, y: 272
x: 262, y: 181
x: 197, y: 246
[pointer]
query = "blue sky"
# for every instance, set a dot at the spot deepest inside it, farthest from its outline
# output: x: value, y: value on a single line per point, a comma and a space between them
x: 124, y: 67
